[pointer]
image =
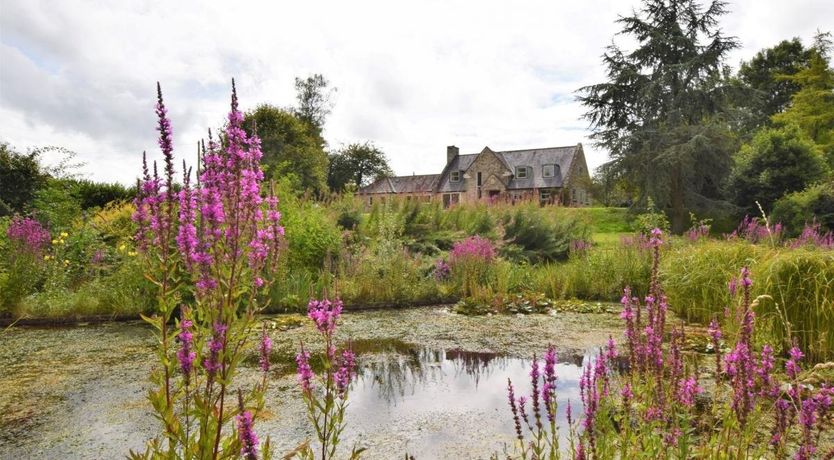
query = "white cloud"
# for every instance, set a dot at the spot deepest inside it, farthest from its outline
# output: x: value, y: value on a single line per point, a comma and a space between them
x: 412, y: 77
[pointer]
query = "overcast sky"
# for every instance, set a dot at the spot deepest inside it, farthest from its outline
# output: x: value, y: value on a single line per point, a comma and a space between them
x: 413, y: 77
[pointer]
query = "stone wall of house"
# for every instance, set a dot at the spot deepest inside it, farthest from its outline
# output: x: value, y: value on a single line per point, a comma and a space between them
x: 577, y: 183
x: 488, y: 164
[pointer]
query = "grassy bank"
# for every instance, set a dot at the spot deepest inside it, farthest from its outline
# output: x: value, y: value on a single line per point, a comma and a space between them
x: 404, y: 253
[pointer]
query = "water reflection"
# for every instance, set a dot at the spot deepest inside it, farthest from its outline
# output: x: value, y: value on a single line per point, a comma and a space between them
x: 447, y: 394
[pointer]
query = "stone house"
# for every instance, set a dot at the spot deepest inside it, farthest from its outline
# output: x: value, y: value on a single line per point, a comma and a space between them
x: 548, y: 175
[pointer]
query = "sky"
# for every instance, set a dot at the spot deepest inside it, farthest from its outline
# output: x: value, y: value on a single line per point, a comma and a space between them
x: 412, y: 77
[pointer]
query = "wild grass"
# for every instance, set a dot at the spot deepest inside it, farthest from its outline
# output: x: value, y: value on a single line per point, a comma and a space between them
x: 795, y: 289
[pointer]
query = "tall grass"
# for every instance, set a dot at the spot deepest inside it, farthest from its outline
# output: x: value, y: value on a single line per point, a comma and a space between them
x: 797, y: 286
x: 601, y: 274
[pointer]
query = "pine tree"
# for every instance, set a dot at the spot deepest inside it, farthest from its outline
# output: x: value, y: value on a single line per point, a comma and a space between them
x: 661, y: 113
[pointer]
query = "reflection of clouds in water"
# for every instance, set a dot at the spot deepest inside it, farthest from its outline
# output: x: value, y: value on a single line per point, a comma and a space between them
x: 425, y: 378
x: 448, y: 397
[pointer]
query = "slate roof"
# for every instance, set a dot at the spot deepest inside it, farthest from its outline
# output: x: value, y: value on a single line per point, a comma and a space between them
x: 424, y: 183
x: 535, y: 159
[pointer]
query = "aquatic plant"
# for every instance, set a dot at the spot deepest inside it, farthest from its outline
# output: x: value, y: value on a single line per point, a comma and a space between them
x: 326, y: 395
x: 209, y: 249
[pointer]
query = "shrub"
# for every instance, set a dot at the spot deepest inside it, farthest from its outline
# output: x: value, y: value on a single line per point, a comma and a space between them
x: 312, y: 235
x: 651, y: 219
x: 530, y: 235
x: 775, y: 162
x: 814, y: 204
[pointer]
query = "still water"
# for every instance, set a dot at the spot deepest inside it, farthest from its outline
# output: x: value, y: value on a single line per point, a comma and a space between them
x: 450, y: 398
x: 429, y: 383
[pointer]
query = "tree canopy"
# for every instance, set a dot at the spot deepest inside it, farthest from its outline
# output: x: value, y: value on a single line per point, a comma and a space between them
x: 20, y: 177
x: 358, y: 164
x: 314, y: 103
x: 812, y: 107
x: 289, y: 147
x: 659, y: 113
x: 777, y: 161
x: 766, y: 75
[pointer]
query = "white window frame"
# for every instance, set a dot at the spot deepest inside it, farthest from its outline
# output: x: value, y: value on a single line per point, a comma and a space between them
x: 454, y: 176
x: 545, y: 194
x: 519, y: 170
x: 553, y: 171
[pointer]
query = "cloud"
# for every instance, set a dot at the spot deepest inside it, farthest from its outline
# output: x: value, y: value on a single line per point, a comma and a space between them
x: 412, y: 77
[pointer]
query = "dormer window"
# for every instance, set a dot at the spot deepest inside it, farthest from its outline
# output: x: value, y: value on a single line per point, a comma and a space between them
x: 454, y: 176
x: 548, y: 170
x: 521, y: 172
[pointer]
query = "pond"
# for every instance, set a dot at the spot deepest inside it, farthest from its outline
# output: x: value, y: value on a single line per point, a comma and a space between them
x: 441, y: 396
x: 431, y: 383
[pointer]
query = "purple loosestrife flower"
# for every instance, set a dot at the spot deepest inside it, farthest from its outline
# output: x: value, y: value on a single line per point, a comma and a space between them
x: 305, y: 372
x: 442, y: 271
x: 549, y: 387
x: 627, y: 394
x: 265, y: 348
x: 671, y: 438
x: 807, y: 420
x: 610, y: 350
x: 763, y: 371
x: 569, y: 413
x: 324, y: 313
x: 580, y: 451
x: 185, y: 355
x: 732, y: 286
x: 27, y: 234
x: 522, y: 408
x: 246, y: 435
x: 632, y: 336
x: 474, y: 247
x: 534, y: 381
x: 689, y: 388
x: 514, y: 409
x: 187, y: 235
x: 590, y: 398
x: 792, y: 367
x: 212, y: 364
x: 345, y: 372
x: 783, y: 415
x: 715, y: 334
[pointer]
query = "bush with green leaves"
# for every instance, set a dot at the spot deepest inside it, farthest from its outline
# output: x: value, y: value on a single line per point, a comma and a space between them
x: 775, y: 162
x: 812, y: 205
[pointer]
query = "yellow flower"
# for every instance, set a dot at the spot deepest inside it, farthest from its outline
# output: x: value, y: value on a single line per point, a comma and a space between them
x: 66, y: 262
x: 61, y: 241
x: 54, y: 241
x: 131, y: 253
x: 64, y: 234
x: 46, y: 257
x: 122, y: 247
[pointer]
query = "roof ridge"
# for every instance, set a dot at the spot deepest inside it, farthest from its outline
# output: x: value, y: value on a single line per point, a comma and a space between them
x: 538, y: 148
x: 414, y: 175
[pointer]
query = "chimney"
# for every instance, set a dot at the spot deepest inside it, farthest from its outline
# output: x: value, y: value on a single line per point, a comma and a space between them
x: 451, y: 153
